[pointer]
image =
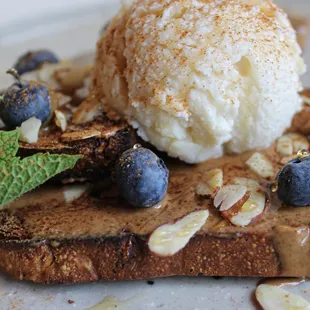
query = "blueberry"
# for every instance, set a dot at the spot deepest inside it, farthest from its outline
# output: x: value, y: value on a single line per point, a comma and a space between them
x: 293, y: 182
x: 24, y: 100
x: 141, y: 177
x: 33, y: 60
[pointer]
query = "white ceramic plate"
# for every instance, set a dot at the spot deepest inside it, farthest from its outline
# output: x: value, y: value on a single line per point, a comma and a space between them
x: 69, y: 31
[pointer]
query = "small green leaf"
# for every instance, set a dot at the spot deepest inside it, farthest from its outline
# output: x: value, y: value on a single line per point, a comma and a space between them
x: 20, y: 176
x: 8, y: 144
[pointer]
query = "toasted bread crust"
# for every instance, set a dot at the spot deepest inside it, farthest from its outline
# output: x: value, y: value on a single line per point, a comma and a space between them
x: 129, y: 258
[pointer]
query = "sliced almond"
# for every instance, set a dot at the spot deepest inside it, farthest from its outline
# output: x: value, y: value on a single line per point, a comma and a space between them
x: 249, y: 183
x: 250, y: 207
x: 35, y: 74
x: 58, y: 99
x: 87, y: 111
x: 60, y: 120
x: 235, y: 209
x: 46, y: 72
x: 228, y: 196
x: 260, y: 165
x: 169, y: 239
x: 300, y: 142
x: 286, y: 159
x: 80, y: 135
x: 306, y: 100
x: 110, y: 132
x: 221, y: 224
x: 73, y: 180
x: 285, y: 146
x: 213, y: 182
x: 71, y: 77
x: 61, y: 76
x: 250, y: 210
x: 74, y: 192
x: 84, y: 91
x: 29, y: 130
x: 274, y: 298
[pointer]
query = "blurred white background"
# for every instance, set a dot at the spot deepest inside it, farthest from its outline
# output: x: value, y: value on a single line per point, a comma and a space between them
x: 70, y: 27
x: 27, y: 17
x: 20, y: 11
x: 14, y: 10
x: 23, y: 17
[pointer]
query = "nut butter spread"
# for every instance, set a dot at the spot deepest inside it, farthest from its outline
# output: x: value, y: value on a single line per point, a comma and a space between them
x: 293, y: 247
x: 106, y: 214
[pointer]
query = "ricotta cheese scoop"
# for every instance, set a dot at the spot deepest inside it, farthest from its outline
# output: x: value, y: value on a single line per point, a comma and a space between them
x: 198, y: 78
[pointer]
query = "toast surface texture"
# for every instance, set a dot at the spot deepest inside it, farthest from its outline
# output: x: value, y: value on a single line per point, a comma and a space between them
x: 98, y: 237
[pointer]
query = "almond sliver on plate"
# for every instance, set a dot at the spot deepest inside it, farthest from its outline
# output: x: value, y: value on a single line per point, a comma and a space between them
x: 274, y: 298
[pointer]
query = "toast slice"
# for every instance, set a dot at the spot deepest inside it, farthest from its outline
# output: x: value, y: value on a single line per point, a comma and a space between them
x: 47, y: 238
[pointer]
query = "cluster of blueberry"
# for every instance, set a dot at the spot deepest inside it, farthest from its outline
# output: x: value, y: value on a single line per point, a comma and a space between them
x: 26, y: 99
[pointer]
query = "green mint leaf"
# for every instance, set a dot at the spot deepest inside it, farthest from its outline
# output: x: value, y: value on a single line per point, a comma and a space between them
x: 20, y: 176
x: 8, y: 144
